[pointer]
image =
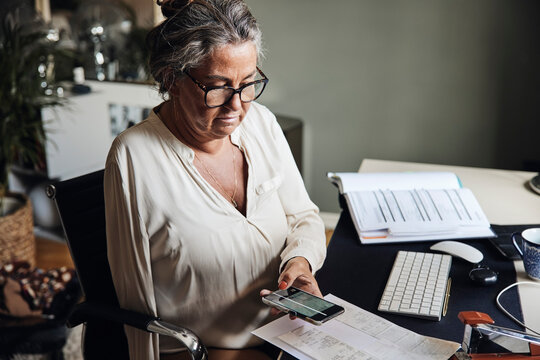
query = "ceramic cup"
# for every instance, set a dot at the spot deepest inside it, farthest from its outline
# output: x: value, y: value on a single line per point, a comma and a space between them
x: 530, y: 251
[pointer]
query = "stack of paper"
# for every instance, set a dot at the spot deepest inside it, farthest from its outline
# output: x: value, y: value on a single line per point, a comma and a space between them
x: 394, y: 207
x: 355, y: 334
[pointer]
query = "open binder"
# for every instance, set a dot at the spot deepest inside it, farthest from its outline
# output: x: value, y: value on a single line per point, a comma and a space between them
x: 411, y: 206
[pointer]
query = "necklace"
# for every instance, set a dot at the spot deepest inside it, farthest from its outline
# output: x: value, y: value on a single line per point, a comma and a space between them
x: 231, y: 197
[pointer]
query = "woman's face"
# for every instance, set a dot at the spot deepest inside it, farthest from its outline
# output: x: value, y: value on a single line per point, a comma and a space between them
x: 230, y: 65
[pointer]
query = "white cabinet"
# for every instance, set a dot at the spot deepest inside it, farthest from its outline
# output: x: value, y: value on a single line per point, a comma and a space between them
x: 80, y: 134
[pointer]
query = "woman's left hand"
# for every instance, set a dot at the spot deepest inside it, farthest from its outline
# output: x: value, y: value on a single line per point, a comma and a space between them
x: 297, y: 273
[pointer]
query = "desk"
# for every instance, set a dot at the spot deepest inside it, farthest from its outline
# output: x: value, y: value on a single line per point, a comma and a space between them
x: 506, y: 200
x: 358, y: 273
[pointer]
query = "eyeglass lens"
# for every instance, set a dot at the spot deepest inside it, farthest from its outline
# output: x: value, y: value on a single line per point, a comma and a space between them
x: 218, y: 97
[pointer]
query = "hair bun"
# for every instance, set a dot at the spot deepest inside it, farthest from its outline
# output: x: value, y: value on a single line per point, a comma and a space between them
x: 170, y: 8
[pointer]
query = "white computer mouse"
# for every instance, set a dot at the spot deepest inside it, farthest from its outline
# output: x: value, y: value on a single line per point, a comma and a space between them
x: 459, y: 249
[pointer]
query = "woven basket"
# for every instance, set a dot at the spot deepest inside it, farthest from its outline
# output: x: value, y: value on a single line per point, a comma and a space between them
x: 17, y: 240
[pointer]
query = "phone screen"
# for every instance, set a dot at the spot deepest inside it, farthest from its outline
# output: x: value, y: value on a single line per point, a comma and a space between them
x: 304, y: 304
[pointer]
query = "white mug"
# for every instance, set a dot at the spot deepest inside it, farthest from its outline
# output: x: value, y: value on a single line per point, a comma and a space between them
x: 530, y: 251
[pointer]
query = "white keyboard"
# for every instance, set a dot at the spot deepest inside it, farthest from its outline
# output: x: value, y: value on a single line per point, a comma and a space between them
x: 418, y: 285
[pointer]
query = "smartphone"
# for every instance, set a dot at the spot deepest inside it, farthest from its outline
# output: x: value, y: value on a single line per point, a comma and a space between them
x: 303, y: 305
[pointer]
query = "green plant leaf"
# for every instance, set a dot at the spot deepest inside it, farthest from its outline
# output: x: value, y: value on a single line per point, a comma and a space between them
x: 22, y: 96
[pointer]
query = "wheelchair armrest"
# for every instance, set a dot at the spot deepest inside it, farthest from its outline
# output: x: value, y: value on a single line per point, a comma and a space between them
x: 87, y: 310
x: 187, y: 337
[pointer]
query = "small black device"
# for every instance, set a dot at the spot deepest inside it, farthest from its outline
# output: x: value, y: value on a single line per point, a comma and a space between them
x: 304, y: 305
x: 483, y: 275
x: 535, y: 184
x: 503, y: 241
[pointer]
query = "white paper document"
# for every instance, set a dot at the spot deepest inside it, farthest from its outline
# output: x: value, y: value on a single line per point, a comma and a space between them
x: 393, y: 207
x: 355, y: 334
x: 420, y: 210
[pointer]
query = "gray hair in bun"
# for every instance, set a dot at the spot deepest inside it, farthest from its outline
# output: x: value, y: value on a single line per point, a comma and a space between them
x: 192, y: 30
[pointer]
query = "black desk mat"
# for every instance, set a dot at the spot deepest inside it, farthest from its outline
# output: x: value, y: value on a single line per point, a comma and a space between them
x: 358, y: 274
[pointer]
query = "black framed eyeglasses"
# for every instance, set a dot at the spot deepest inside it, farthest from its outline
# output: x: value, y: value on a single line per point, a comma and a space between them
x: 216, y: 96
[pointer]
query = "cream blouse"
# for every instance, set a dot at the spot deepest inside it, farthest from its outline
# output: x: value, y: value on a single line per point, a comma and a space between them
x: 178, y: 249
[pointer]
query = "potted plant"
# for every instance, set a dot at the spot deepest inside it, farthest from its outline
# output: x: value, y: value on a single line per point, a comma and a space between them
x: 26, y: 87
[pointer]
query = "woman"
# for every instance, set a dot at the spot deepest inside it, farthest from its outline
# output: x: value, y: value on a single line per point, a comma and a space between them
x: 205, y: 206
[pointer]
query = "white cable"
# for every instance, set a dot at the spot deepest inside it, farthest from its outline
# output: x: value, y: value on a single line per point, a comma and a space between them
x: 506, y: 312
